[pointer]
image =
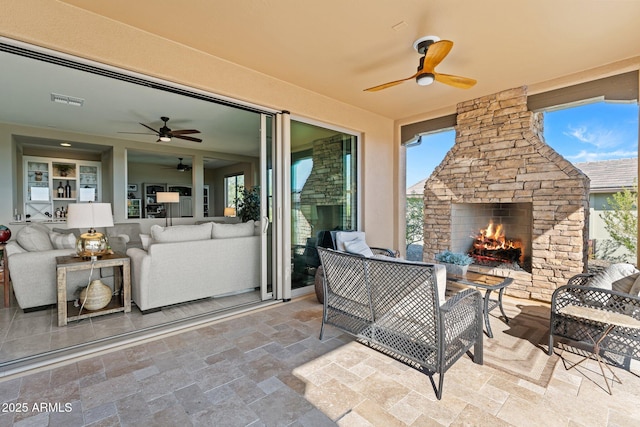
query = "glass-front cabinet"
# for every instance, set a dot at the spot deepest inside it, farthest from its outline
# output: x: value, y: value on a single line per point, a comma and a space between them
x: 51, y: 184
x: 153, y: 209
x: 206, y: 200
x: 134, y: 209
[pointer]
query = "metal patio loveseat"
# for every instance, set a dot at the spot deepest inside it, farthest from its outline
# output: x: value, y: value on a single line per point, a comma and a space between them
x: 393, y: 307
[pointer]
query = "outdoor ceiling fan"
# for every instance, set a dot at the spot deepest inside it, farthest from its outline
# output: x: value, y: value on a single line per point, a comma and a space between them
x: 434, y: 51
x: 165, y: 134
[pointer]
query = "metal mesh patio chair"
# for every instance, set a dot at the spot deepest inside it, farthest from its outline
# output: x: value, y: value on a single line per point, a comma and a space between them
x: 328, y: 239
x: 580, y: 332
x: 393, y: 307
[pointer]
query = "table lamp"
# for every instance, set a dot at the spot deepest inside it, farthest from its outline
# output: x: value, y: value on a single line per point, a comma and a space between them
x: 91, y: 244
x: 229, y: 211
x: 168, y: 197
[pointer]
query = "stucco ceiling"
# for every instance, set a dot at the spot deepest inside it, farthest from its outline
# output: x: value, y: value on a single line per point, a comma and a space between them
x: 337, y: 48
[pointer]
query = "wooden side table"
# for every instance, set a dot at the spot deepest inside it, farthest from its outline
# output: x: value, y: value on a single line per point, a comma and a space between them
x: 609, y: 320
x: 4, y: 274
x: 122, y: 282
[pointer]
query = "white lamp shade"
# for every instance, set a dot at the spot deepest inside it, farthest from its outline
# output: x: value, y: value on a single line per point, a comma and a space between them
x: 89, y: 215
x: 168, y: 197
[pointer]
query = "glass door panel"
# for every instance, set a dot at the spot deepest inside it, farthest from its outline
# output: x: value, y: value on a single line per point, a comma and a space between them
x: 266, y: 207
x: 323, y: 193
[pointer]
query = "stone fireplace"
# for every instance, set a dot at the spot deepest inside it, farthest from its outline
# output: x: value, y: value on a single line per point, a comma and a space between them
x: 501, y: 170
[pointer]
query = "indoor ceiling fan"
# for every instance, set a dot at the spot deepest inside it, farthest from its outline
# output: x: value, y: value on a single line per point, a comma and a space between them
x: 181, y: 167
x: 434, y: 51
x: 165, y: 133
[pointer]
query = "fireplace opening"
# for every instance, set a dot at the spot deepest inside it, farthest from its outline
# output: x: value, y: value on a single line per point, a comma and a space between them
x: 493, y: 234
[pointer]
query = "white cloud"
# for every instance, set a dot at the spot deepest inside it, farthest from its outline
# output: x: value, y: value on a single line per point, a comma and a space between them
x: 598, y: 137
x: 590, y: 156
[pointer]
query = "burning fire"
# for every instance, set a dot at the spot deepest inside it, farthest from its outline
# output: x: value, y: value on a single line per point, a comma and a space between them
x: 492, y: 238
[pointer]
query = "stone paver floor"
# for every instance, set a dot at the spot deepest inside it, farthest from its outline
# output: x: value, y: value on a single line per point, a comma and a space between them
x: 269, y: 368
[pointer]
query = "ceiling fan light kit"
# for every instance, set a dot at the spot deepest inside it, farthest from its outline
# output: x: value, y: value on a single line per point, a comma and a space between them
x: 434, y: 51
x: 425, y: 79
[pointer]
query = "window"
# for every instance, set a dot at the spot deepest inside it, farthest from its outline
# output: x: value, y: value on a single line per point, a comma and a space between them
x: 233, y: 186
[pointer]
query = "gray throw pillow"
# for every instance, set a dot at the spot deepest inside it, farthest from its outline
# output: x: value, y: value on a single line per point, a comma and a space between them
x: 34, y: 238
x: 609, y: 277
x: 63, y: 241
x: 358, y: 247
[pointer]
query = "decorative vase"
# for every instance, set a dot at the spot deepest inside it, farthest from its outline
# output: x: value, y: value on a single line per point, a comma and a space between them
x: 95, y: 296
x: 456, y: 269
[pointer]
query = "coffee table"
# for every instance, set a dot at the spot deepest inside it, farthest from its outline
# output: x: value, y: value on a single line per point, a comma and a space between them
x: 490, y: 283
x: 122, y: 284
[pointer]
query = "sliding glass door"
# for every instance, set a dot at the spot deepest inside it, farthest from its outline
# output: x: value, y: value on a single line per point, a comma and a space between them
x: 323, y: 192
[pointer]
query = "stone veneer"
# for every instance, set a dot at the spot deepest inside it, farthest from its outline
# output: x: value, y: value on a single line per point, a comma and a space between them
x: 500, y: 156
x: 323, y: 193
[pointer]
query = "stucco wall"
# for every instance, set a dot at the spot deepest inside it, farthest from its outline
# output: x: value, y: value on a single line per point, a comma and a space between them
x: 70, y: 30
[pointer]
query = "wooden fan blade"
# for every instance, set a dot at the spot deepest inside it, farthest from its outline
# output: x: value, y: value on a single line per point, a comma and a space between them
x: 435, y: 54
x: 389, y: 84
x: 188, y: 138
x: 184, y: 131
x: 139, y: 133
x: 150, y: 128
x: 455, y: 81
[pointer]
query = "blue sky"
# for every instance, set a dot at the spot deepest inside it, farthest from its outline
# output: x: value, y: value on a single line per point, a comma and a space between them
x: 587, y: 133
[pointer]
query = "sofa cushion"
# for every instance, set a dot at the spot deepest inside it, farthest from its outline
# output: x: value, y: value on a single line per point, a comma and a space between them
x: 228, y: 231
x: 62, y: 241
x: 180, y: 233
x: 34, y: 237
x: 610, y: 278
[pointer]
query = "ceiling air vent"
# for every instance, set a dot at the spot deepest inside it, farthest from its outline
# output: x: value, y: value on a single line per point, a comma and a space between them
x: 69, y: 100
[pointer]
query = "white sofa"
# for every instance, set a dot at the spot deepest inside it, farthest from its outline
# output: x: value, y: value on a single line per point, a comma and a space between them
x: 189, y: 262
x: 32, y: 264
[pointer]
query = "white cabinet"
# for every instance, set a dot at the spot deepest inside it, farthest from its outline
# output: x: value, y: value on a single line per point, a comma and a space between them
x: 51, y: 184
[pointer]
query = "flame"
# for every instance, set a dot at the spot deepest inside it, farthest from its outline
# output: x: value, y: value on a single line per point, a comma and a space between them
x: 493, y: 237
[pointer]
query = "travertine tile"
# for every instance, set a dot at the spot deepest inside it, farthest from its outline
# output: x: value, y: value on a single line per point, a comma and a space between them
x: 236, y: 373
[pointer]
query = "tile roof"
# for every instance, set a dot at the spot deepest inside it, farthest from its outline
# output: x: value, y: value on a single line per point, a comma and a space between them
x: 605, y: 175
x: 610, y: 174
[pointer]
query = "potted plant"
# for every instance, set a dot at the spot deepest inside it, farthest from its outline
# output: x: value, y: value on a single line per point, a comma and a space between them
x: 249, y: 204
x: 456, y: 263
x: 63, y: 169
